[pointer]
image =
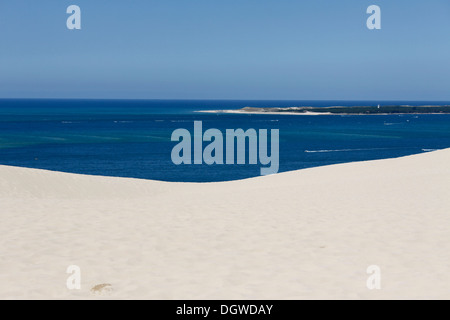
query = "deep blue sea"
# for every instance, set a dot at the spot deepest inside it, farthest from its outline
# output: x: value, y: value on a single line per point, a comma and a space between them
x: 132, y: 138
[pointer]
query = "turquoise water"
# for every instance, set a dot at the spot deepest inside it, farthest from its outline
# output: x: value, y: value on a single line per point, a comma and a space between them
x: 132, y: 138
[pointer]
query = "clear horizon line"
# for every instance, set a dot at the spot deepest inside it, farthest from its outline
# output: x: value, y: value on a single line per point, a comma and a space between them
x: 218, y: 99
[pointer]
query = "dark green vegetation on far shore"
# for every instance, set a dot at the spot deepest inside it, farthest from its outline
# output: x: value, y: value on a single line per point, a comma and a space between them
x: 357, y: 110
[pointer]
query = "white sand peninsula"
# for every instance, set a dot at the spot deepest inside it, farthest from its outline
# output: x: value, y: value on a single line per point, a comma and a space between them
x: 304, y: 234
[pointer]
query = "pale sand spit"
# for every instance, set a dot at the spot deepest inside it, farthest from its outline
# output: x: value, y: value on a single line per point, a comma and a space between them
x: 307, y: 113
x: 298, y: 235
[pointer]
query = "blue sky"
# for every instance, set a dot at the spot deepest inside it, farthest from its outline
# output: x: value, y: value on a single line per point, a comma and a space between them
x: 225, y: 49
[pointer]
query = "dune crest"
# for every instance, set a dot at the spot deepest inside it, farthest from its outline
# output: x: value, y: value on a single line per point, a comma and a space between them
x: 305, y: 234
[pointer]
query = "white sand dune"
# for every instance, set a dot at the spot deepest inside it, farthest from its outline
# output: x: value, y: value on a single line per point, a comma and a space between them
x: 298, y: 235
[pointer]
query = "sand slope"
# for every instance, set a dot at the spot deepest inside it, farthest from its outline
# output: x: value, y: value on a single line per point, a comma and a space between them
x: 304, y: 234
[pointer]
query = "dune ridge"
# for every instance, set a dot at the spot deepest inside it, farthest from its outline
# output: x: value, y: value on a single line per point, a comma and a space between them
x: 297, y: 235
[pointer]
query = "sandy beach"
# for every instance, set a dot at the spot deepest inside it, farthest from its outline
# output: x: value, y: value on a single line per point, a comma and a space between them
x: 305, y: 234
x: 267, y: 112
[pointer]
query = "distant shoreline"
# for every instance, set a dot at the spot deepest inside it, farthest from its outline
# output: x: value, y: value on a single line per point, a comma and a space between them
x: 240, y: 111
x: 342, y: 110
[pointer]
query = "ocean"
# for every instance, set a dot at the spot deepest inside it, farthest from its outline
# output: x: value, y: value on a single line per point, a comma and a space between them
x: 132, y: 138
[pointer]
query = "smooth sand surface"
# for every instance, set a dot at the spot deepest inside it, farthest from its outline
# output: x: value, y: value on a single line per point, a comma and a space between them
x: 297, y: 235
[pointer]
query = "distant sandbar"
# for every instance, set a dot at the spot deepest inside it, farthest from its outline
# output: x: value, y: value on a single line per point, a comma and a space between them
x: 343, y: 110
